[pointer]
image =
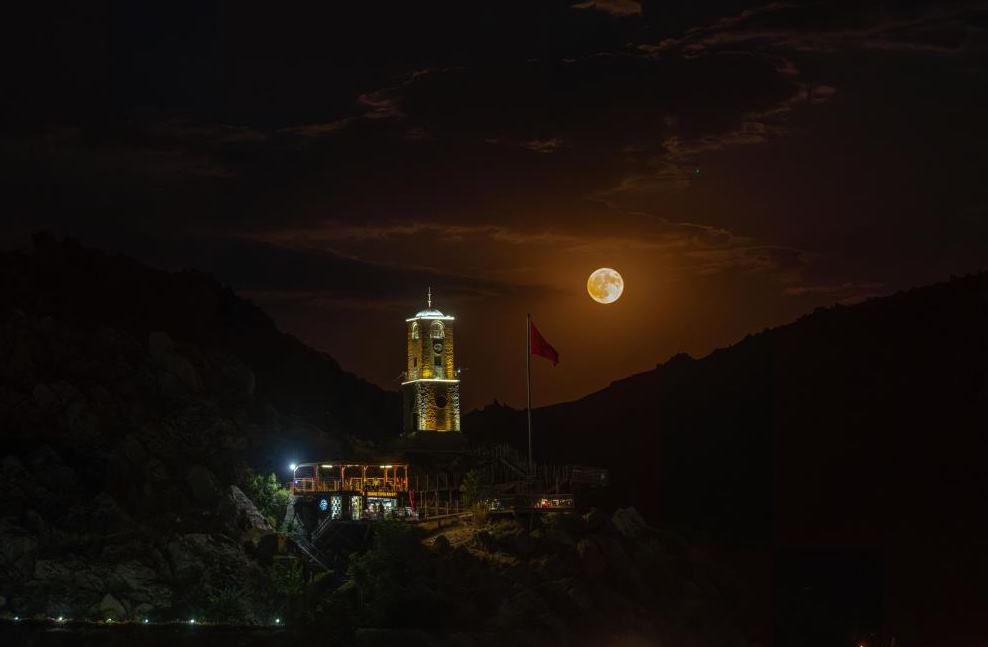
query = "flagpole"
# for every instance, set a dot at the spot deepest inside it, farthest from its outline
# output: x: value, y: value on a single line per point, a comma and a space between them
x: 528, y: 384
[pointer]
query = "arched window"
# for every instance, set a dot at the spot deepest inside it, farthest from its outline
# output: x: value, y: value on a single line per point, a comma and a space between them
x: 415, y: 330
x: 438, y: 332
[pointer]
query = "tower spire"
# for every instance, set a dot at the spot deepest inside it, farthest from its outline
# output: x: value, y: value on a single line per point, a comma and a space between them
x: 428, y: 296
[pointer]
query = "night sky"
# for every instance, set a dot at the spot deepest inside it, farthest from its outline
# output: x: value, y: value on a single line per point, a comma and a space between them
x: 739, y: 163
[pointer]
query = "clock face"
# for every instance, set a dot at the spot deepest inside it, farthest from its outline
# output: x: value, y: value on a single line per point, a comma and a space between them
x: 437, y: 347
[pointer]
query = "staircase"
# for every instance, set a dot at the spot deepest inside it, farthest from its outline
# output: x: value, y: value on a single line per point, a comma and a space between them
x: 314, y: 554
x: 291, y: 526
x: 289, y: 519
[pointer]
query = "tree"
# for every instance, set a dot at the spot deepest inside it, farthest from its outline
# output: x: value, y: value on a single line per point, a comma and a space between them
x: 267, y: 494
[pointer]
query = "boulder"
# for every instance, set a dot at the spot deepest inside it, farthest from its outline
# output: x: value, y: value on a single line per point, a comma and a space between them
x: 594, y: 563
x: 135, y: 581
x: 36, y: 524
x: 105, y: 508
x: 13, y: 465
x: 112, y: 608
x: 21, y: 365
x: 132, y: 449
x: 209, y: 561
x: 184, y: 557
x: 74, y: 573
x: 441, y: 544
x: 618, y: 561
x: 67, y: 392
x: 61, y: 479
x: 235, y: 378
x: 565, y: 529
x: 266, y: 546
x: 595, y: 520
x: 17, y: 550
x: 142, y: 610
x: 183, y: 369
x: 580, y: 596
x: 160, y: 345
x: 202, y: 485
x: 163, y: 352
x: 520, y: 610
x: 45, y: 397
x: 241, y: 513
x: 484, y: 541
x: 523, y: 545
x: 630, y: 523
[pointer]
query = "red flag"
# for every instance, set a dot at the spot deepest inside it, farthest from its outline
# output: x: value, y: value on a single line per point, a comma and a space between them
x: 539, y: 346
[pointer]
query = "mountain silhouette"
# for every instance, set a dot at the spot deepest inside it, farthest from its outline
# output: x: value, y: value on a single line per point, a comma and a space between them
x: 841, y: 456
x: 59, y: 299
x: 848, y: 446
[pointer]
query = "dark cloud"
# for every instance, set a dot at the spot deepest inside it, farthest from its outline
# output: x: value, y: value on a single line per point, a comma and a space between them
x: 837, y: 27
x: 614, y: 7
x: 315, y: 271
x: 739, y: 162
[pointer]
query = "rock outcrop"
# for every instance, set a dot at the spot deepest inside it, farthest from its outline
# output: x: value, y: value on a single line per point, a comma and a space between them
x: 131, y: 403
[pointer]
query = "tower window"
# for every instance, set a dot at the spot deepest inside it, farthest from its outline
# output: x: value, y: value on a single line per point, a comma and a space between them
x: 438, y: 332
x: 415, y: 361
x: 438, y: 359
x: 415, y: 330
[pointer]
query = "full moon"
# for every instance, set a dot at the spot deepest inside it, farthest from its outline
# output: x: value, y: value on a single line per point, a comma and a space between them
x: 605, y: 285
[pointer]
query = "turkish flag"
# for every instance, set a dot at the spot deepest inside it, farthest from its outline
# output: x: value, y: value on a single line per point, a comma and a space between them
x: 539, y: 346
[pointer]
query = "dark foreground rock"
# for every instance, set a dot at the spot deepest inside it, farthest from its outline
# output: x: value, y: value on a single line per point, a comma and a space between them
x: 561, y: 580
x: 131, y: 403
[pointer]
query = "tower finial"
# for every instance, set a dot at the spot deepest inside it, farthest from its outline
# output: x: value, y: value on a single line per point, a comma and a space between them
x: 428, y: 296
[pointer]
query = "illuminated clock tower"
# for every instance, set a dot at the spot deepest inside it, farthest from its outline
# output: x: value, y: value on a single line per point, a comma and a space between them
x: 431, y: 390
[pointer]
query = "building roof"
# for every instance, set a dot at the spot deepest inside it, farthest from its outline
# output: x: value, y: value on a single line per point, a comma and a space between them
x: 430, y: 313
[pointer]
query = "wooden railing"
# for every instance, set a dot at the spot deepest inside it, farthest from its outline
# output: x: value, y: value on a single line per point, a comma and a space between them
x: 355, y: 484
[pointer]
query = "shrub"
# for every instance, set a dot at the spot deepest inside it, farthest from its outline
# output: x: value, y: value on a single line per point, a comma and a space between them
x: 481, y: 513
x: 286, y: 579
x: 391, y: 583
x: 475, y: 487
x: 227, y: 605
x: 267, y: 494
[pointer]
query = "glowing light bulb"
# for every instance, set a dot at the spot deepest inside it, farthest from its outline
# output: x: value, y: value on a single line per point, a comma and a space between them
x: 292, y: 467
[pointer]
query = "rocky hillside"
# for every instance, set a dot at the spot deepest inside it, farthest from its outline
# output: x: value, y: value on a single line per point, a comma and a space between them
x: 849, y: 445
x: 558, y: 580
x: 131, y: 403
